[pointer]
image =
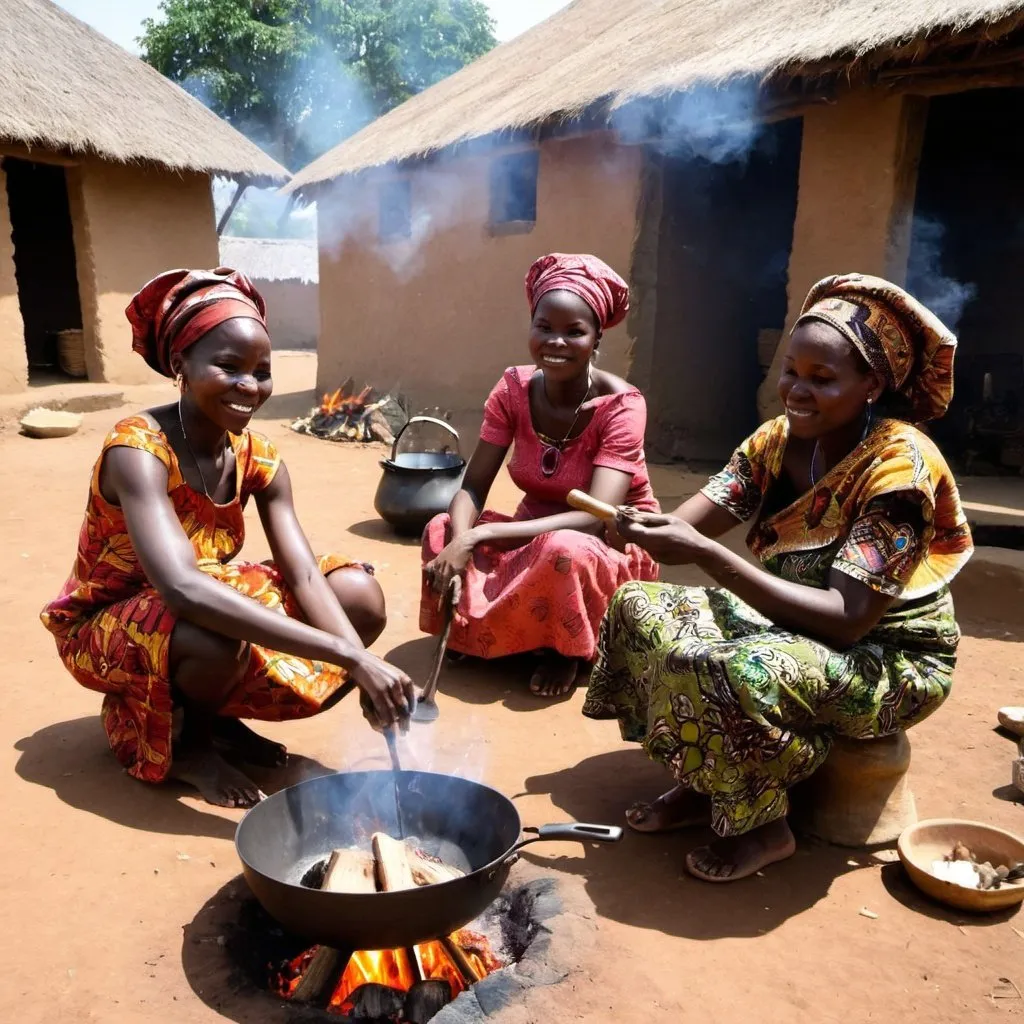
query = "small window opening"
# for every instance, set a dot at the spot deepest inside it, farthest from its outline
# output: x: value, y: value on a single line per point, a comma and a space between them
x: 514, y: 189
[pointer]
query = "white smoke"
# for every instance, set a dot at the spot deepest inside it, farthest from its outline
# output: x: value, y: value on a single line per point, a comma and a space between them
x: 719, y: 125
x: 946, y: 297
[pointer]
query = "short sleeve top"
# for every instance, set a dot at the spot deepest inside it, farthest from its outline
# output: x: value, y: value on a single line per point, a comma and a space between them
x: 613, y: 438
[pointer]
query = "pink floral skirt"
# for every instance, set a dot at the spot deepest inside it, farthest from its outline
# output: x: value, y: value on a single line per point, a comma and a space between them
x: 550, y: 592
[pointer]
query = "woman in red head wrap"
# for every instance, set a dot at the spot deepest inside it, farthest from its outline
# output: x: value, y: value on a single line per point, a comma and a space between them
x: 541, y: 580
x: 182, y: 640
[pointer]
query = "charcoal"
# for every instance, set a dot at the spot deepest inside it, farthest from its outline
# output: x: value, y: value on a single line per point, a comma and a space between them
x: 425, y: 999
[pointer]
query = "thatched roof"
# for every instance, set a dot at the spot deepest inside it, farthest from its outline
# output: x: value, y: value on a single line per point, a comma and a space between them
x: 620, y: 50
x: 272, y: 259
x: 66, y: 87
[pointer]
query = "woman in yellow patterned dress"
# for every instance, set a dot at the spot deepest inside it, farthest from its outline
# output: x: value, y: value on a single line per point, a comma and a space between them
x: 157, y: 615
x: 847, y: 627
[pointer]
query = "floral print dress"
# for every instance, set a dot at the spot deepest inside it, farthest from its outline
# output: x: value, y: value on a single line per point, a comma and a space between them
x: 740, y: 709
x: 113, y: 631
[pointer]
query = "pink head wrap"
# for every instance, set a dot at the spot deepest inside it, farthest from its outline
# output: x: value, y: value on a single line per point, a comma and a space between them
x: 586, y: 276
x: 173, y: 311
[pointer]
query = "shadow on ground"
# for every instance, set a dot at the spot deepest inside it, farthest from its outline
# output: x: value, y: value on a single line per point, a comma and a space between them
x: 377, y: 529
x: 72, y: 758
x: 642, y: 882
x: 225, y: 952
x: 472, y: 681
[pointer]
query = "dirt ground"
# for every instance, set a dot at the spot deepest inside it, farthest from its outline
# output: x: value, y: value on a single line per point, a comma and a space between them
x: 106, y: 882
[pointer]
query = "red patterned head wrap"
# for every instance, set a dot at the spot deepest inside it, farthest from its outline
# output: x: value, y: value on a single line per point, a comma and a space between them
x: 176, y: 309
x: 586, y: 276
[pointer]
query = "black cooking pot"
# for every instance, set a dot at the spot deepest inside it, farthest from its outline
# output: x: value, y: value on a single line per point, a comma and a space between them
x: 465, y: 824
x: 416, y: 486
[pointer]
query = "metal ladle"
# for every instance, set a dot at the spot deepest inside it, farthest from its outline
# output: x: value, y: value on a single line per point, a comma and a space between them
x: 426, y: 709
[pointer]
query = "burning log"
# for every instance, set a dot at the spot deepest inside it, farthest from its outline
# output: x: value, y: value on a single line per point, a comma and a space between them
x: 347, y: 871
x: 413, y: 983
x: 466, y: 966
x: 321, y: 972
x: 347, y: 416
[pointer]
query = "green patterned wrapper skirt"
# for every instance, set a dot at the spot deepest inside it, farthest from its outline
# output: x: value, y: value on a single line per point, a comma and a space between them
x: 739, y: 709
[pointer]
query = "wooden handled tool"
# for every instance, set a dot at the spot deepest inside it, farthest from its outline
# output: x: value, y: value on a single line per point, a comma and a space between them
x: 585, y: 503
x: 426, y: 709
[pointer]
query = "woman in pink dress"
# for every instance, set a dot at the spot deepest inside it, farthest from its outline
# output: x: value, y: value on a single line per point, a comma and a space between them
x: 542, y: 579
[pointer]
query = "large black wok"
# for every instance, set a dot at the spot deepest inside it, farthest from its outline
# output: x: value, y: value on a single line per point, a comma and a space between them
x: 464, y: 823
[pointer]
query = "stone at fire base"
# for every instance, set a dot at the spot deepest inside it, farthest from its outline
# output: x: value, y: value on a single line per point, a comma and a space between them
x: 557, y: 933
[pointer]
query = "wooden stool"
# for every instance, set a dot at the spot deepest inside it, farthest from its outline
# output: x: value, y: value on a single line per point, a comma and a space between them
x: 860, y: 795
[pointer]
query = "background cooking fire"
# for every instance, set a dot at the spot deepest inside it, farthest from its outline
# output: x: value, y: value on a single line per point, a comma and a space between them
x: 347, y: 415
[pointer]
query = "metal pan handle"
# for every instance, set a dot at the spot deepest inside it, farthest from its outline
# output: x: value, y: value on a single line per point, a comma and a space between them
x: 426, y: 419
x: 573, y: 832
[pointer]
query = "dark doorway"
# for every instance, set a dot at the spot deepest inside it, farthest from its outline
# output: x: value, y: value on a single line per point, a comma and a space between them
x: 966, y: 259
x: 723, y: 258
x: 44, y: 261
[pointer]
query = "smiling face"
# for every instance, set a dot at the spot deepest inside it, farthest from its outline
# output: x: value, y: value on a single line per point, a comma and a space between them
x: 825, y: 385
x: 227, y: 373
x: 563, y: 336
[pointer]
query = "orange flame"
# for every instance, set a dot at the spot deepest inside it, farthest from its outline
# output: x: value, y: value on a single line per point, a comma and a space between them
x: 392, y: 967
x: 389, y: 967
x: 348, y: 405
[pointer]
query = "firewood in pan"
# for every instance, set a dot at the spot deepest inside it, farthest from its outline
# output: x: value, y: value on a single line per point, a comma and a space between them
x: 350, y: 870
x: 427, y: 870
x: 392, y: 857
x: 347, y: 871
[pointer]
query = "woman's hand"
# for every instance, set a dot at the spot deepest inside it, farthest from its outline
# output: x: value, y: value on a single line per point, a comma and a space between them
x: 387, y: 694
x: 669, y: 540
x: 613, y: 538
x: 451, y: 562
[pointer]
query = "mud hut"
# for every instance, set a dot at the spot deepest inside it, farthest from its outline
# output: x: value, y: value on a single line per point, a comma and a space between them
x: 105, y: 172
x: 723, y: 153
x: 285, y: 270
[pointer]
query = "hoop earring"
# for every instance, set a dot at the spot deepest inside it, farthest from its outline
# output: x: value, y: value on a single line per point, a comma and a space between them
x: 179, y: 382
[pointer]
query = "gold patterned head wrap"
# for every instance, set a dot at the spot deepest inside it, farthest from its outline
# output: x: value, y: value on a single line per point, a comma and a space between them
x: 903, y: 341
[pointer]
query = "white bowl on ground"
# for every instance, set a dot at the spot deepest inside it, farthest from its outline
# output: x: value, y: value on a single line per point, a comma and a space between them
x: 41, y: 422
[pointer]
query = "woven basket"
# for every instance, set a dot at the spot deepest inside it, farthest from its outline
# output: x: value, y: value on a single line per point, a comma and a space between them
x: 71, y: 352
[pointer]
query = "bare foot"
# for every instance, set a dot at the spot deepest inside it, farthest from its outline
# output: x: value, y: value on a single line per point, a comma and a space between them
x: 736, y: 857
x: 235, y: 737
x: 218, y: 783
x: 555, y: 676
x: 678, y: 808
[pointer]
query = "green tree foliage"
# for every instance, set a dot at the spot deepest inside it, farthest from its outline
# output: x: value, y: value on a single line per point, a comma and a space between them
x: 298, y: 76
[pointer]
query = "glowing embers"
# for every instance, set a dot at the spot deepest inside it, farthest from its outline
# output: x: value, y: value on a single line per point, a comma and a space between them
x: 405, y: 985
